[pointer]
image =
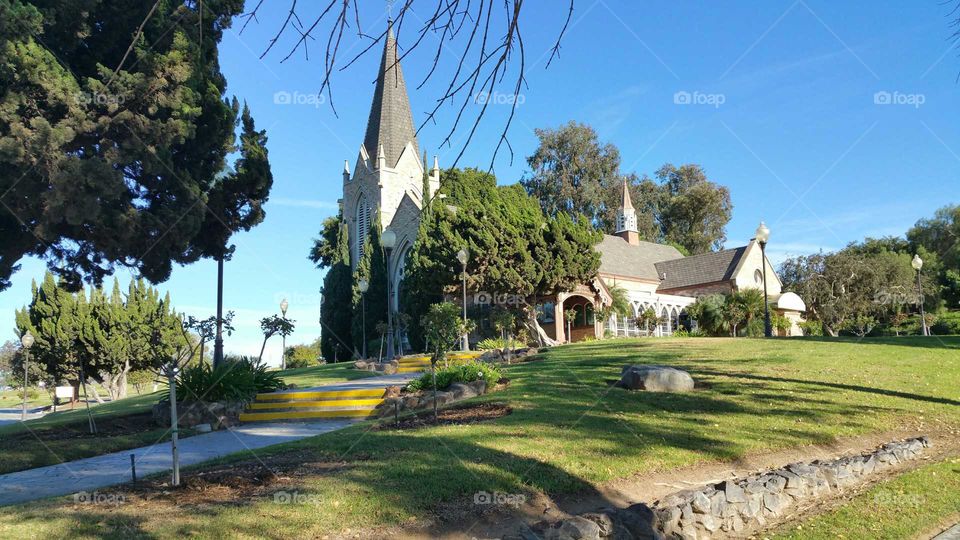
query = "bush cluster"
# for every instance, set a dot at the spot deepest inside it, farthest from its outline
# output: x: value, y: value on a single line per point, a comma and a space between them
x: 234, y: 380
x: 464, y: 373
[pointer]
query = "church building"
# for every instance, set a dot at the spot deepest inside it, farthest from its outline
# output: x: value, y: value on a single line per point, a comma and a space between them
x: 388, y: 174
x: 388, y: 177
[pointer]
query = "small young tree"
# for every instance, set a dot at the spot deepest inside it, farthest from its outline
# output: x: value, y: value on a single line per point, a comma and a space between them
x: 646, y: 318
x: 206, y: 329
x: 272, y: 326
x: 443, y: 325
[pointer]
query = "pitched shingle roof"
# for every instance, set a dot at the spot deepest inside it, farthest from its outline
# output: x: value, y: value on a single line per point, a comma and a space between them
x: 700, y: 269
x: 622, y: 259
x: 390, y: 123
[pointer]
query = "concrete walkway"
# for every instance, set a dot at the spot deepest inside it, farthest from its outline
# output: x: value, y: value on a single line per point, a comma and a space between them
x: 12, y: 415
x: 111, y: 469
x: 953, y: 533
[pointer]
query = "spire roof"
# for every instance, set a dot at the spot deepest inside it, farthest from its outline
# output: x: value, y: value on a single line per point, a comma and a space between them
x: 390, y: 125
x: 627, y: 204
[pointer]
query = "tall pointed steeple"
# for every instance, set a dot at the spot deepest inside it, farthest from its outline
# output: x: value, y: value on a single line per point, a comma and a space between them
x: 390, y: 126
x: 627, y: 218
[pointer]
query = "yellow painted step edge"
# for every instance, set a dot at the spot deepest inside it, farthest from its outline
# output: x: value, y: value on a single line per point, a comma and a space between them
x: 295, y: 415
x: 321, y: 394
x: 315, y: 404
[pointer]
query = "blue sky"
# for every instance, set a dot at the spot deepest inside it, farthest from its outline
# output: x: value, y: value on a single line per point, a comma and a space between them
x: 783, y: 110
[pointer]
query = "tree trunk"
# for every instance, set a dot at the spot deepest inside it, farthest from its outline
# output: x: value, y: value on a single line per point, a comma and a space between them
x: 123, y: 379
x: 93, y: 389
x: 534, y: 325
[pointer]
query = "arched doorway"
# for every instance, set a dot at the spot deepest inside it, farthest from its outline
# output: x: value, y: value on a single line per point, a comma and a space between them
x: 583, y: 325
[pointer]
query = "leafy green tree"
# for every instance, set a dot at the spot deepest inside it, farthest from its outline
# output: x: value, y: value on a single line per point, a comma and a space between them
x: 373, y: 268
x: 305, y: 355
x: 838, y: 288
x: 572, y: 172
x: 514, y: 248
x: 940, y: 235
x: 112, y: 144
x: 443, y: 325
x: 336, y: 307
x: 692, y: 211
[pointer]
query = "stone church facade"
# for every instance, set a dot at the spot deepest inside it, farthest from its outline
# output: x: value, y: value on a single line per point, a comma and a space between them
x: 388, y: 173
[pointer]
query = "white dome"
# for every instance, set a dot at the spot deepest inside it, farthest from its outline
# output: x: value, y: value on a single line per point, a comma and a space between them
x: 791, y: 302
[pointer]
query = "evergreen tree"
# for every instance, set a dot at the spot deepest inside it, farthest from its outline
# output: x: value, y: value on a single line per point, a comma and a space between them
x: 112, y: 144
x: 336, y: 307
x: 373, y: 268
x: 514, y: 249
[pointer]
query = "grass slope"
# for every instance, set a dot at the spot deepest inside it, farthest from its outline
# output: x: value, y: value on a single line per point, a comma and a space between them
x: 570, y: 432
x: 908, y: 506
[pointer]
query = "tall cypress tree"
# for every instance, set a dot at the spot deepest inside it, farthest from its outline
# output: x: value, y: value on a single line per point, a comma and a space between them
x: 336, y: 306
x: 373, y: 268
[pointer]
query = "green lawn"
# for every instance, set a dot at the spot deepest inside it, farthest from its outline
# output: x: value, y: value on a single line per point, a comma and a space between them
x: 570, y: 432
x: 64, y: 435
x: 905, y: 507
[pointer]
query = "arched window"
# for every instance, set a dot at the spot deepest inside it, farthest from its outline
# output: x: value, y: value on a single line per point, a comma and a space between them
x: 362, y: 225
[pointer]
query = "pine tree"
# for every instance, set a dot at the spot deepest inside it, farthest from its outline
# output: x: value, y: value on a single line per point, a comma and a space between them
x: 336, y: 339
x: 117, y: 150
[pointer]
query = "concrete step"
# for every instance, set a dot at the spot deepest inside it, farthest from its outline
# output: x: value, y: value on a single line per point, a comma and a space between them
x: 314, y: 404
x: 306, y: 415
x: 321, y: 395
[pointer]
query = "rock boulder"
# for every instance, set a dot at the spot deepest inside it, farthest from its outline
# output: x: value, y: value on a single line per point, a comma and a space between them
x: 655, y: 379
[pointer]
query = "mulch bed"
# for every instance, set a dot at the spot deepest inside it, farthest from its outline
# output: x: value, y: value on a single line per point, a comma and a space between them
x: 456, y: 416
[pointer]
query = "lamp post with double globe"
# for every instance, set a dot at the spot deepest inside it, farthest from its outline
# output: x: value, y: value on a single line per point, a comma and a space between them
x: 917, y: 264
x: 389, y: 241
x: 762, y: 236
x: 27, y: 342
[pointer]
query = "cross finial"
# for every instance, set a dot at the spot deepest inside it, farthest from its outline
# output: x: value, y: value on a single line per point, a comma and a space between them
x: 390, y: 9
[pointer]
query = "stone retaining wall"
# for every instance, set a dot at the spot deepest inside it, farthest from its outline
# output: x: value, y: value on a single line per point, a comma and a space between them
x: 732, y: 507
x: 219, y: 415
x: 424, y: 400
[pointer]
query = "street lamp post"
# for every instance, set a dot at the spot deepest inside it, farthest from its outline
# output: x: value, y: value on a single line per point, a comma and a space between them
x: 463, y: 257
x: 389, y: 241
x: 27, y: 342
x: 218, y: 340
x: 283, y: 351
x: 763, y: 235
x: 363, y: 286
x: 917, y: 264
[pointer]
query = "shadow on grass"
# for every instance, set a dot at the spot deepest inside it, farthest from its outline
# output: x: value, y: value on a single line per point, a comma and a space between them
x: 839, y: 386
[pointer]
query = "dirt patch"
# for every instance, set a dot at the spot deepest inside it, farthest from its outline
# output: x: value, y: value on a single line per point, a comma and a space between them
x: 112, y: 426
x: 456, y: 416
x: 236, y: 482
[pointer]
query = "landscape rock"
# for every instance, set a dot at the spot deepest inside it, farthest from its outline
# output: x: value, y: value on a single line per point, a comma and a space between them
x: 655, y: 379
x: 731, y: 507
x: 219, y: 415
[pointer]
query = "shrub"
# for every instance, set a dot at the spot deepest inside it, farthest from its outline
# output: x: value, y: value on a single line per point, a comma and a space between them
x: 463, y: 373
x: 812, y: 328
x: 238, y: 379
x: 947, y: 324
x: 490, y: 344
